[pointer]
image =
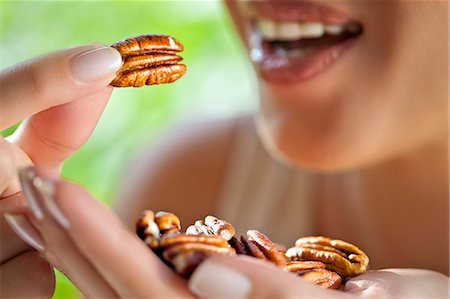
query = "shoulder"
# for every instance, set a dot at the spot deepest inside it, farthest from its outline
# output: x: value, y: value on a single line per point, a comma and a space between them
x: 181, y: 171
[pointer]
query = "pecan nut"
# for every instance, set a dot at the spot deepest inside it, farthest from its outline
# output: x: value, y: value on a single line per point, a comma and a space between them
x: 342, y: 257
x: 148, y: 60
x: 212, y: 226
x: 259, y: 246
x: 162, y: 233
x: 186, y: 252
x: 316, y: 273
x: 167, y: 222
x: 148, y: 230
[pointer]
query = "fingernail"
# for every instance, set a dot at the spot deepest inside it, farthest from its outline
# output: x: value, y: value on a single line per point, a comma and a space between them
x: 25, y: 230
x: 213, y: 280
x: 41, y: 193
x: 26, y: 177
x: 96, y: 64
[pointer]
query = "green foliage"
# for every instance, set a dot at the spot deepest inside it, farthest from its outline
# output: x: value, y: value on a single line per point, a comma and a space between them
x: 216, y: 84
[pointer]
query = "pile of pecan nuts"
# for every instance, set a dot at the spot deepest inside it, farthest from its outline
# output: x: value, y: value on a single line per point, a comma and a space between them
x: 323, y: 261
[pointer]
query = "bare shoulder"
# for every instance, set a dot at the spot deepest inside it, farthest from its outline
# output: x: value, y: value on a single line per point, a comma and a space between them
x: 180, y: 172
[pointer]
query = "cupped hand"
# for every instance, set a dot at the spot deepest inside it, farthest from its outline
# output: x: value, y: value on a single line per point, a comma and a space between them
x: 243, y: 277
x: 87, y: 242
x: 60, y: 96
x: 90, y: 245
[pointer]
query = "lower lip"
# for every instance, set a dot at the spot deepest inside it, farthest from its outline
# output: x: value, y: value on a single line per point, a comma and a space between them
x: 294, y: 70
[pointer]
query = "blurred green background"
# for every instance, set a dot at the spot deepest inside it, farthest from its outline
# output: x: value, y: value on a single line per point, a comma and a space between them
x: 218, y: 82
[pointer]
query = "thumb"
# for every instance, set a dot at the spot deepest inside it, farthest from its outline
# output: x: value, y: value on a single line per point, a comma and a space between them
x: 244, y: 277
x: 54, y: 79
x: 400, y: 283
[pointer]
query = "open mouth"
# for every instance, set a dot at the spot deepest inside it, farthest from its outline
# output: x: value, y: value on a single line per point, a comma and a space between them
x: 296, y: 46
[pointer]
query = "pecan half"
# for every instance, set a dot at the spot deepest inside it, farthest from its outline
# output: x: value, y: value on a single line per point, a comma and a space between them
x: 167, y: 222
x: 259, y: 246
x: 212, y: 226
x: 342, y: 257
x: 316, y: 273
x: 148, y: 230
x: 186, y: 252
x: 148, y: 60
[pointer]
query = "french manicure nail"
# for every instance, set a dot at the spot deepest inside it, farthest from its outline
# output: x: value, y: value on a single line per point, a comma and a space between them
x: 41, y: 193
x: 25, y: 230
x: 213, y: 280
x: 26, y: 177
x: 96, y: 63
x: 47, y: 191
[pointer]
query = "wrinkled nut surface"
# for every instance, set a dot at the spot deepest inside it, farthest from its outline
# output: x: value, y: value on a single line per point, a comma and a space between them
x: 315, y: 272
x: 167, y: 222
x: 320, y: 260
x: 186, y: 256
x: 186, y: 252
x: 148, y: 60
x: 259, y: 246
x: 323, y: 277
x: 147, y: 229
x: 267, y: 247
x: 342, y: 257
x: 212, y: 226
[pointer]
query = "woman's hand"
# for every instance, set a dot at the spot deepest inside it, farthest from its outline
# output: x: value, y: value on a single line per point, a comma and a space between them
x: 244, y: 277
x: 89, y: 244
x: 61, y: 96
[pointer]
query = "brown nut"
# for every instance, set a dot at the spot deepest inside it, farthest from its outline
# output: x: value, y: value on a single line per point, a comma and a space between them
x: 167, y: 222
x: 185, y: 257
x: 148, y: 60
x: 147, y: 229
x: 252, y: 249
x: 324, y: 278
x: 297, y: 266
x: 212, y: 226
x: 315, y: 272
x: 259, y: 246
x: 186, y: 252
x: 267, y: 247
x: 170, y: 240
x: 342, y: 257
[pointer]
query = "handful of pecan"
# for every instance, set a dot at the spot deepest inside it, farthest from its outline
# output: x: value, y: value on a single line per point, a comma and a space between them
x: 320, y: 260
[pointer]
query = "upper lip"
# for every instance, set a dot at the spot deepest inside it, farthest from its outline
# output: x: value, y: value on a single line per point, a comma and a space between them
x: 305, y: 11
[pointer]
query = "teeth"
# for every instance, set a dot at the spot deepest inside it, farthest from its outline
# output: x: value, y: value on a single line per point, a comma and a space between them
x: 312, y: 30
x: 289, y: 31
x: 334, y: 29
x: 267, y: 29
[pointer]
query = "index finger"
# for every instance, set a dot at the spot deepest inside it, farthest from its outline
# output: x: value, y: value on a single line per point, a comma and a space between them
x: 54, y: 79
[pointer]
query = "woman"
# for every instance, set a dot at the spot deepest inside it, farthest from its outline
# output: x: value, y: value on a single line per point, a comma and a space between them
x: 353, y: 94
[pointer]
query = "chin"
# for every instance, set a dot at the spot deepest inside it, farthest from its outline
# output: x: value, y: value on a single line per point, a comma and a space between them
x: 317, y: 153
